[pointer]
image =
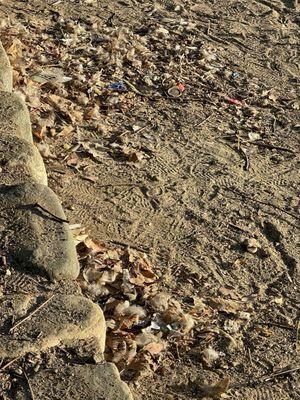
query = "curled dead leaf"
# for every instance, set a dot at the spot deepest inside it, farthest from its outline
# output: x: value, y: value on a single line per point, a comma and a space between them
x: 154, y: 348
x: 228, y: 306
x: 216, y: 390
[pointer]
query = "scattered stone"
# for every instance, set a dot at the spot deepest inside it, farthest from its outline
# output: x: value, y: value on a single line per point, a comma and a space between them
x: 92, y: 382
x: 252, y: 245
x: 209, y: 356
x: 33, y: 232
x: 6, y: 75
x: 44, y: 150
x: 14, y: 117
x: 20, y: 162
x: 161, y: 33
x: 63, y: 320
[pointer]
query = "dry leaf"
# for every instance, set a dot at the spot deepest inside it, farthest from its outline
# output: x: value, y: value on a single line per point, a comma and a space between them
x: 209, y: 356
x: 228, y: 306
x: 270, y: 94
x: 95, y: 247
x: 154, y: 348
x: 112, y: 255
x: 229, y: 291
x: 15, y: 50
x: 216, y: 390
x: 160, y: 301
x: 142, y: 366
x: 66, y: 130
x: 53, y: 75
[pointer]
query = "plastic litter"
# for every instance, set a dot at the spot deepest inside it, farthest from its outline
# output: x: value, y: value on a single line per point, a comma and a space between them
x: 234, y: 75
x: 235, y: 102
x: 117, y: 86
x: 177, y: 90
x: 181, y: 87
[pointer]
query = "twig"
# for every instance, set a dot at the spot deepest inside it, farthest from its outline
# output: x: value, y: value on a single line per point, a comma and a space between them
x: 231, y: 338
x: 297, y: 335
x: 208, y: 28
x: 132, y: 246
x: 246, y: 157
x: 177, y: 351
x: 261, y: 202
x: 271, y: 146
x: 31, y: 314
x: 282, y: 372
x: 29, y: 385
x: 203, y: 121
x: 272, y: 6
x: 237, y: 228
x: 141, y: 129
x: 9, y: 363
x: 274, y: 125
x: 134, y: 89
x: 58, y: 219
x: 214, y: 38
x: 283, y: 326
x: 109, y: 21
x: 119, y: 185
x: 250, y: 356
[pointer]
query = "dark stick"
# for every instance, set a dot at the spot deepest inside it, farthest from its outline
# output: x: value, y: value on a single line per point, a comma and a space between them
x: 282, y: 372
x: 9, y: 363
x: 29, y: 385
x: 262, y: 202
x: 274, y: 125
x: 271, y: 146
x: 31, y: 314
x: 58, y: 219
x: 246, y: 157
x: 283, y: 326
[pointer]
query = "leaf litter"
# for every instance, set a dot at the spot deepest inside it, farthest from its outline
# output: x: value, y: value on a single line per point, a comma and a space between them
x: 142, y: 320
x: 66, y: 90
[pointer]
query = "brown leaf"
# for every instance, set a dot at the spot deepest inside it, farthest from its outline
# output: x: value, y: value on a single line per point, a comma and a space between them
x: 215, y: 391
x: 65, y: 107
x: 229, y: 291
x: 135, y: 156
x: 40, y: 133
x: 66, y: 130
x: 96, y: 247
x: 154, y: 348
x: 112, y: 255
x: 15, y: 50
x: 142, y: 366
x: 121, y: 349
x: 228, y: 306
x: 270, y: 94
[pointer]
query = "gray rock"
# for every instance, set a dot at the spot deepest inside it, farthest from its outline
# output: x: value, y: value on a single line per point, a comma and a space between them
x: 14, y: 117
x: 78, y: 382
x: 62, y: 320
x: 34, y: 239
x: 20, y: 162
x: 6, y: 72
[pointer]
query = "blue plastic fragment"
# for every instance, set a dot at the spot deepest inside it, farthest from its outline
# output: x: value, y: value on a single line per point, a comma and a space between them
x: 116, y: 86
x: 235, y: 75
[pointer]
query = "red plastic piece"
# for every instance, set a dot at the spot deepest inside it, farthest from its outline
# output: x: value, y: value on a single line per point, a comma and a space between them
x: 181, y: 87
x: 235, y: 102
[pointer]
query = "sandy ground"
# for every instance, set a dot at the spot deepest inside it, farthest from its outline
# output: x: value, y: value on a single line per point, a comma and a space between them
x: 204, y: 181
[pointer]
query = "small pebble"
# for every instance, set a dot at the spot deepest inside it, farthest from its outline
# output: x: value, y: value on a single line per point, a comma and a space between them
x: 252, y: 245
